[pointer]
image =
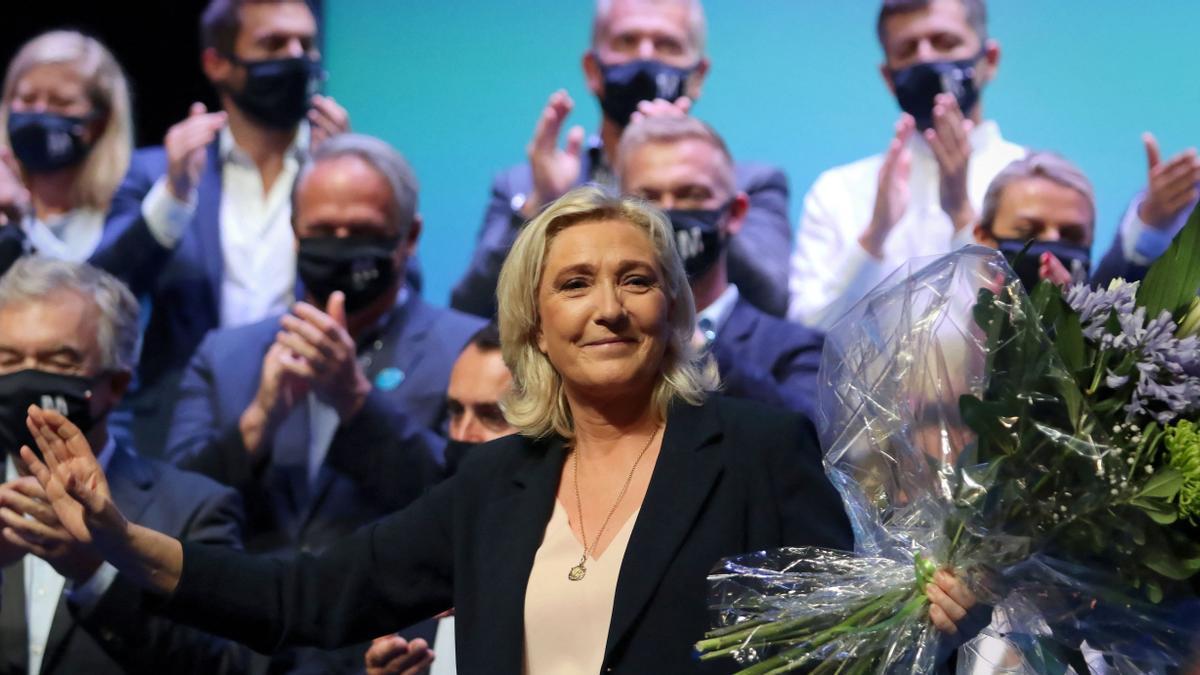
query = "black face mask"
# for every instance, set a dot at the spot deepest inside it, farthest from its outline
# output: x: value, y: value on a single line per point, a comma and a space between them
x: 363, y: 268
x: 698, y: 238
x: 278, y: 92
x: 627, y: 84
x: 69, y: 395
x: 1075, y: 257
x: 45, y: 142
x: 917, y: 84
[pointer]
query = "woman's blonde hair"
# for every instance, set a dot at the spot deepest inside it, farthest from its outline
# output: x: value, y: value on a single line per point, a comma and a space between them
x: 537, y: 404
x: 108, y: 91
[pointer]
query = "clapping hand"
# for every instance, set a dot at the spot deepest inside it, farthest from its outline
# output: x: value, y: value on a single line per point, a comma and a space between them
x: 950, y: 140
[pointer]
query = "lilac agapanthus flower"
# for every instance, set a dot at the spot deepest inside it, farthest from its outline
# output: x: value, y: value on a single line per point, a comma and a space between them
x: 1167, y: 367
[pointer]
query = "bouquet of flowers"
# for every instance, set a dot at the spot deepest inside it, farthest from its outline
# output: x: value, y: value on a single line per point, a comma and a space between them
x: 1045, y: 446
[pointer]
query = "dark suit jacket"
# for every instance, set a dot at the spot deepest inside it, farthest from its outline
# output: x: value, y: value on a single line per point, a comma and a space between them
x: 119, y: 634
x: 732, y: 477
x: 758, y: 256
x: 378, y: 462
x: 764, y: 358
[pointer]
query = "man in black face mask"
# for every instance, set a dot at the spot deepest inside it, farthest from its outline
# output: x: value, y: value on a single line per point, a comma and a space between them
x: 1046, y: 200
x: 68, y: 339
x: 201, y: 226
x: 863, y: 220
x: 331, y: 415
x: 683, y: 166
x: 646, y: 58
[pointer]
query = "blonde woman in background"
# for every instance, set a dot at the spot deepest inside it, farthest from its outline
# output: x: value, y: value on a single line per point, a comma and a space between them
x: 66, y: 136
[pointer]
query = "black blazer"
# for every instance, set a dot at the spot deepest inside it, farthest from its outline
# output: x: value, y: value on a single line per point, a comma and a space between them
x: 732, y: 476
x: 120, y: 634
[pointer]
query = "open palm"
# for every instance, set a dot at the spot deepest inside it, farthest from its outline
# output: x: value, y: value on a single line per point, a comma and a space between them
x: 74, y: 483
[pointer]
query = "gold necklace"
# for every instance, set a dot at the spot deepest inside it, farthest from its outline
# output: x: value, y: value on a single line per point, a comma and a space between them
x: 577, y: 572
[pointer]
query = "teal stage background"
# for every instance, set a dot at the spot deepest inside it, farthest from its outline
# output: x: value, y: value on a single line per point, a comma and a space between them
x: 456, y: 85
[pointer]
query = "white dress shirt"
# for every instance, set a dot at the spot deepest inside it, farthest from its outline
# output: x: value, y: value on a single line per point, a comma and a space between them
x: 257, y: 243
x: 43, y: 584
x: 72, y: 236
x: 830, y: 269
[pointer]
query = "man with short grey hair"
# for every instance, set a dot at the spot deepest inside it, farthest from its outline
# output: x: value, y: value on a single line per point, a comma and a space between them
x: 647, y: 57
x: 68, y: 341
x: 333, y: 414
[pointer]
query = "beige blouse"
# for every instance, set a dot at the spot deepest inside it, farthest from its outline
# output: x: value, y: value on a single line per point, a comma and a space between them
x: 566, y: 622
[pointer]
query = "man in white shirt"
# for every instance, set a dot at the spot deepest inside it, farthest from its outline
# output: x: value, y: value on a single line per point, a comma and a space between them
x: 202, y: 226
x: 68, y: 341
x: 863, y: 220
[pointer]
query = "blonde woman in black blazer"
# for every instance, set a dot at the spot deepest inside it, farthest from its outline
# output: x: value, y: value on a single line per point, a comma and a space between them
x: 616, y: 423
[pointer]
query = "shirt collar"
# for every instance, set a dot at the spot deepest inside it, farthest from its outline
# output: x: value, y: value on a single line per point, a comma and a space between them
x: 228, y: 149
x: 718, y: 312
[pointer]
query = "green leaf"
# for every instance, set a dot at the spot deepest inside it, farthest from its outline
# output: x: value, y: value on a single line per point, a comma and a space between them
x: 1170, y: 566
x: 1154, y: 592
x: 1158, y: 510
x: 1174, y: 279
x: 1166, y: 483
x: 1069, y: 341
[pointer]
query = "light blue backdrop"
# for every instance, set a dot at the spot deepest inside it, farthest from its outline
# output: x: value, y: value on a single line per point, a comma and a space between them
x: 457, y: 85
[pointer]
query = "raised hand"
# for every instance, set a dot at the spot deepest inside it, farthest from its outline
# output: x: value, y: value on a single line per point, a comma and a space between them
x: 326, y: 119
x: 185, y: 144
x: 73, y: 481
x: 660, y: 107
x: 279, y: 390
x: 31, y: 526
x: 554, y: 169
x: 1170, y: 186
x: 328, y: 357
x: 892, y: 190
x: 950, y: 140
x: 393, y: 655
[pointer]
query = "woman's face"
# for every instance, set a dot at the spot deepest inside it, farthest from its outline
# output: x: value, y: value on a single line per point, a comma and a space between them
x: 603, y: 309
x: 54, y: 88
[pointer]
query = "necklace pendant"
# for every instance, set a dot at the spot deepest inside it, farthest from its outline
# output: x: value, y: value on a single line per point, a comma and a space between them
x: 577, y: 572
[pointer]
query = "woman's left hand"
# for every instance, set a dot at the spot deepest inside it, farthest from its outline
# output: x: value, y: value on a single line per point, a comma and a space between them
x: 949, y: 600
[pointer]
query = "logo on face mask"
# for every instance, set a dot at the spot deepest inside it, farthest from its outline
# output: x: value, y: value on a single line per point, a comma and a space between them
x: 57, y: 403
x: 363, y: 268
x: 628, y: 84
x: 698, y: 238
x: 918, y: 84
x: 45, y: 142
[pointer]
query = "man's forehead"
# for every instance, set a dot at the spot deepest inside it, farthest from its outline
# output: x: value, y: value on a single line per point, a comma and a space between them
x: 664, y: 16
x: 685, y: 161
x: 937, y: 16
x: 61, y: 319
x: 261, y: 19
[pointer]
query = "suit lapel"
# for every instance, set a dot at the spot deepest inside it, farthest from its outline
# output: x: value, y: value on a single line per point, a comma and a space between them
x: 740, y: 324
x: 14, y: 632
x: 685, y: 473
x: 207, y: 222
x: 511, y: 530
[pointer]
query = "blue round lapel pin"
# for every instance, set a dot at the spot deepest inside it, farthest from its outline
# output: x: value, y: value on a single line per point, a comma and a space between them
x: 389, y: 378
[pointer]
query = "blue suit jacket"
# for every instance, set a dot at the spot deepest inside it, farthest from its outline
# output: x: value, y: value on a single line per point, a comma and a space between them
x: 120, y: 634
x: 377, y: 462
x: 758, y: 256
x: 180, y: 287
x: 764, y: 358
